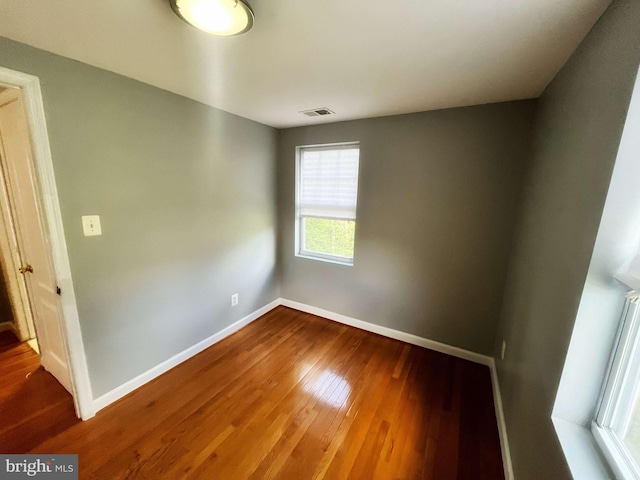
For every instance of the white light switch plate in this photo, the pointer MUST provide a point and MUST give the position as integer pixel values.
(91, 225)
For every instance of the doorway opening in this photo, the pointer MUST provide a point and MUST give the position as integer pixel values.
(31, 283)
(33, 360)
(35, 264)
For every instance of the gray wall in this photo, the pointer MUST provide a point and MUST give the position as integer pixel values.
(437, 202)
(187, 203)
(602, 298)
(579, 120)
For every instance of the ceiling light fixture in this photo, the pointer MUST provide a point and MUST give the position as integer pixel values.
(218, 17)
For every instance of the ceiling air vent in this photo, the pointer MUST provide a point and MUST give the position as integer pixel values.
(317, 112)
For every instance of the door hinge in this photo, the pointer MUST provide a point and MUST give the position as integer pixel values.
(58, 291)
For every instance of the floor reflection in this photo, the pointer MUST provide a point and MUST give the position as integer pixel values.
(330, 388)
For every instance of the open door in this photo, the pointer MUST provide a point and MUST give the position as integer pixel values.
(23, 221)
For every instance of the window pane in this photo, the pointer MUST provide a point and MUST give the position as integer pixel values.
(329, 237)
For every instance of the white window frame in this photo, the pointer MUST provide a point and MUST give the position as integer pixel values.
(620, 389)
(299, 224)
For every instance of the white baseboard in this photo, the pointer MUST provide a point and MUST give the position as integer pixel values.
(128, 387)
(502, 426)
(4, 326)
(432, 345)
(391, 333)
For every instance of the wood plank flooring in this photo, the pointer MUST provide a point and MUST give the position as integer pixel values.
(291, 396)
(33, 405)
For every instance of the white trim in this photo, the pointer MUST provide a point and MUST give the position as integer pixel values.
(43, 163)
(584, 458)
(135, 383)
(618, 396)
(346, 261)
(502, 425)
(615, 452)
(4, 326)
(331, 146)
(391, 333)
(33, 343)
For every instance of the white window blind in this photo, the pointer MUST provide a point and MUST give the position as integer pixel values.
(328, 182)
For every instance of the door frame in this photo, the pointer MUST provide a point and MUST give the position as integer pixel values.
(48, 198)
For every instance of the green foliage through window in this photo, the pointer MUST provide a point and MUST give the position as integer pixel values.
(329, 237)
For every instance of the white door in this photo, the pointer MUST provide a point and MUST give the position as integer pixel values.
(33, 249)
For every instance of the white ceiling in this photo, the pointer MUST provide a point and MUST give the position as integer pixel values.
(360, 59)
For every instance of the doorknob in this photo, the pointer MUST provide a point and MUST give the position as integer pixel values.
(26, 268)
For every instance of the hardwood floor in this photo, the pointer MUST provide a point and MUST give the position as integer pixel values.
(33, 405)
(294, 396)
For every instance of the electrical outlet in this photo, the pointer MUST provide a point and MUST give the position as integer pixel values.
(504, 349)
(234, 299)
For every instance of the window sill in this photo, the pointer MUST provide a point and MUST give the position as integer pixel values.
(581, 452)
(320, 258)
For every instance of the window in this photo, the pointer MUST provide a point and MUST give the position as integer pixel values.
(617, 424)
(326, 198)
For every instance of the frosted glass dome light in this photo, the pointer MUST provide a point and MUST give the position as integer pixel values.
(218, 17)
